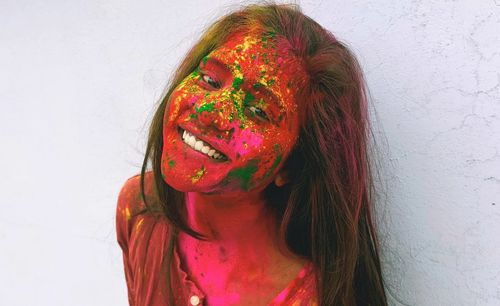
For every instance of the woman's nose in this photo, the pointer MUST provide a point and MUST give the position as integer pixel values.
(218, 111)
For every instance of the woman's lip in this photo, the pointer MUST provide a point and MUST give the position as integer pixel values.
(180, 130)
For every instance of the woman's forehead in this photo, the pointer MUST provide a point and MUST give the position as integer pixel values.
(259, 49)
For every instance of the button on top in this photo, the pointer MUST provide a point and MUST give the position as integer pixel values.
(194, 300)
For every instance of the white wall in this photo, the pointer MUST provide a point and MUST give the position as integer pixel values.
(78, 84)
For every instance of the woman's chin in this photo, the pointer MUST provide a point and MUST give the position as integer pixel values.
(189, 183)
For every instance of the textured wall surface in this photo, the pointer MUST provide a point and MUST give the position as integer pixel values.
(78, 83)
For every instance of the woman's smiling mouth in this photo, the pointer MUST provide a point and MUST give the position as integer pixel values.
(201, 146)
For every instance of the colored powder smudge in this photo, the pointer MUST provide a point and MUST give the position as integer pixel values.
(209, 107)
(248, 99)
(244, 174)
(237, 83)
(127, 213)
(237, 106)
(171, 163)
(277, 161)
(139, 223)
(198, 174)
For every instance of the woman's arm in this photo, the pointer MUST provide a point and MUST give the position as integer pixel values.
(127, 198)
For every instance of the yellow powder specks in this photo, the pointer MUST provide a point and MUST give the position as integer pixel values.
(238, 96)
(174, 112)
(226, 94)
(249, 42)
(238, 74)
(198, 174)
(138, 224)
(127, 213)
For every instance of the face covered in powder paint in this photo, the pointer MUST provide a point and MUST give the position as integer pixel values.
(232, 122)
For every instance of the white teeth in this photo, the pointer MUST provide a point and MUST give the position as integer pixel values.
(200, 146)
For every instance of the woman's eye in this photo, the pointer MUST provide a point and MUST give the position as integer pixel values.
(207, 79)
(259, 112)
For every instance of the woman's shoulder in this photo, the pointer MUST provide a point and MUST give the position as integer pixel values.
(129, 198)
(130, 203)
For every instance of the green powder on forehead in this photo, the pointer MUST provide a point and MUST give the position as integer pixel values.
(271, 34)
(268, 38)
(268, 35)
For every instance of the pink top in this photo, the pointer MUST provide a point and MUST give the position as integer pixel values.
(144, 241)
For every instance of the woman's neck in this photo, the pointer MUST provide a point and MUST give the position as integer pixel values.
(232, 220)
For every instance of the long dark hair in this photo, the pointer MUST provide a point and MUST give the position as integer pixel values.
(325, 209)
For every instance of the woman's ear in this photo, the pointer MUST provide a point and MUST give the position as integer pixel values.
(281, 178)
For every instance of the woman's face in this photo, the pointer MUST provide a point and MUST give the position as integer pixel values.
(232, 122)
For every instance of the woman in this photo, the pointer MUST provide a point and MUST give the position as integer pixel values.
(260, 188)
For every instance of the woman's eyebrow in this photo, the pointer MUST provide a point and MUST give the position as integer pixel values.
(215, 62)
(262, 88)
